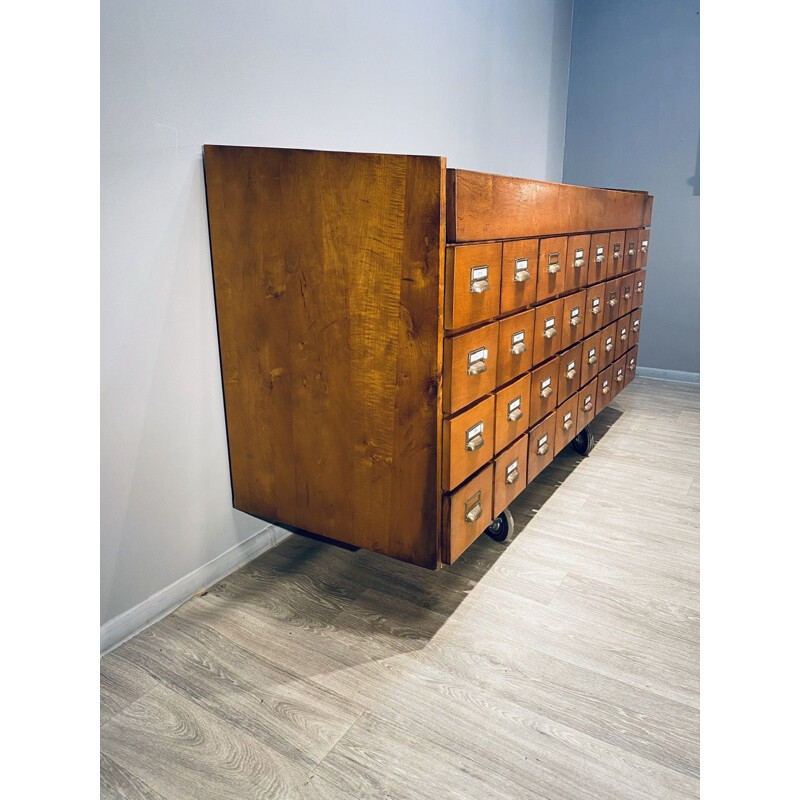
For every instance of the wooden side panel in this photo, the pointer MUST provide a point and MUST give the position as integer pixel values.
(328, 274)
(481, 207)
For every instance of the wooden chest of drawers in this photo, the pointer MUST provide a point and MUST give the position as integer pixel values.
(404, 347)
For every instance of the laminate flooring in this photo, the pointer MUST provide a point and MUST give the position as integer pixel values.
(562, 663)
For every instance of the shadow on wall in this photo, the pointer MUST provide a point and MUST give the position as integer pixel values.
(694, 181)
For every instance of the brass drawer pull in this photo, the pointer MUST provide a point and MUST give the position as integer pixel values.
(596, 308)
(635, 326)
(575, 320)
(568, 423)
(474, 513)
(518, 349)
(592, 359)
(553, 268)
(632, 251)
(606, 389)
(623, 335)
(617, 254)
(479, 286)
(476, 368)
(479, 279)
(542, 449)
(546, 392)
(643, 248)
(632, 366)
(612, 302)
(587, 404)
(600, 259)
(512, 472)
(579, 262)
(571, 374)
(609, 347)
(640, 289)
(550, 333)
(619, 376)
(514, 415)
(475, 443)
(522, 276)
(627, 294)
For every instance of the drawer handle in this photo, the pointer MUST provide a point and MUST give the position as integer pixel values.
(546, 392)
(568, 424)
(550, 333)
(639, 289)
(474, 514)
(596, 309)
(553, 268)
(623, 336)
(512, 476)
(518, 349)
(475, 443)
(542, 449)
(522, 275)
(600, 259)
(477, 367)
(514, 415)
(588, 405)
(592, 359)
(612, 302)
(632, 251)
(632, 366)
(579, 262)
(617, 254)
(609, 347)
(635, 326)
(627, 294)
(575, 320)
(571, 374)
(606, 389)
(479, 286)
(619, 377)
(644, 248)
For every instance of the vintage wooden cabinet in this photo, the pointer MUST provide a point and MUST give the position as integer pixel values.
(404, 346)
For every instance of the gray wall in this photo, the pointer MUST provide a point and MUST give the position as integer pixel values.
(633, 121)
(482, 83)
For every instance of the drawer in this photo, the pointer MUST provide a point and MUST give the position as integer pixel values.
(541, 445)
(470, 367)
(472, 284)
(547, 330)
(604, 388)
(616, 260)
(510, 474)
(617, 376)
(612, 299)
(518, 283)
(598, 258)
(514, 346)
(626, 293)
(512, 412)
(630, 369)
(566, 422)
(639, 278)
(631, 249)
(636, 324)
(578, 257)
(608, 345)
(595, 308)
(590, 363)
(466, 514)
(644, 246)
(467, 443)
(569, 372)
(573, 321)
(587, 404)
(623, 335)
(552, 266)
(544, 389)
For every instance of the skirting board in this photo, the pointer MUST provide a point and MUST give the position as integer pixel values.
(668, 375)
(121, 628)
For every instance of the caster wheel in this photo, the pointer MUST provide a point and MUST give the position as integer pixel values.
(501, 527)
(584, 442)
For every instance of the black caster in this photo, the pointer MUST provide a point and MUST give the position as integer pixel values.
(501, 527)
(584, 442)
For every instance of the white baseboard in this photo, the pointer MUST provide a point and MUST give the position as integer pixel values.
(668, 375)
(121, 628)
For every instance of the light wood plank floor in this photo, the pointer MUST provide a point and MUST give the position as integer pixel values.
(563, 663)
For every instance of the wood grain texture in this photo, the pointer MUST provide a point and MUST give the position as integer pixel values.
(512, 332)
(464, 307)
(328, 274)
(519, 256)
(467, 442)
(481, 206)
(512, 412)
(510, 474)
(560, 664)
(599, 256)
(460, 387)
(573, 323)
(544, 389)
(460, 531)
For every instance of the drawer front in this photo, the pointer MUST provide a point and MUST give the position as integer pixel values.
(644, 246)
(631, 249)
(467, 443)
(552, 267)
(520, 265)
(608, 345)
(470, 367)
(630, 370)
(541, 445)
(569, 372)
(544, 389)
(636, 325)
(616, 260)
(623, 335)
(547, 330)
(578, 258)
(466, 514)
(598, 258)
(612, 296)
(510, 474)
(595, 308)
(573, 321)
(566, 422)
(626, 293)
(512, 412)
(639, 278)
(617, 376)
(591, 358)
(472, 284)
(605, 388)
(587, 404)
(514, 346)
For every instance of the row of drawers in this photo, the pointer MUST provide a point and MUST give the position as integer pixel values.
(484, 281)
(468, 510)
(477, 362)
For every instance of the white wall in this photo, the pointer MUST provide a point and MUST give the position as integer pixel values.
(483, 83)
